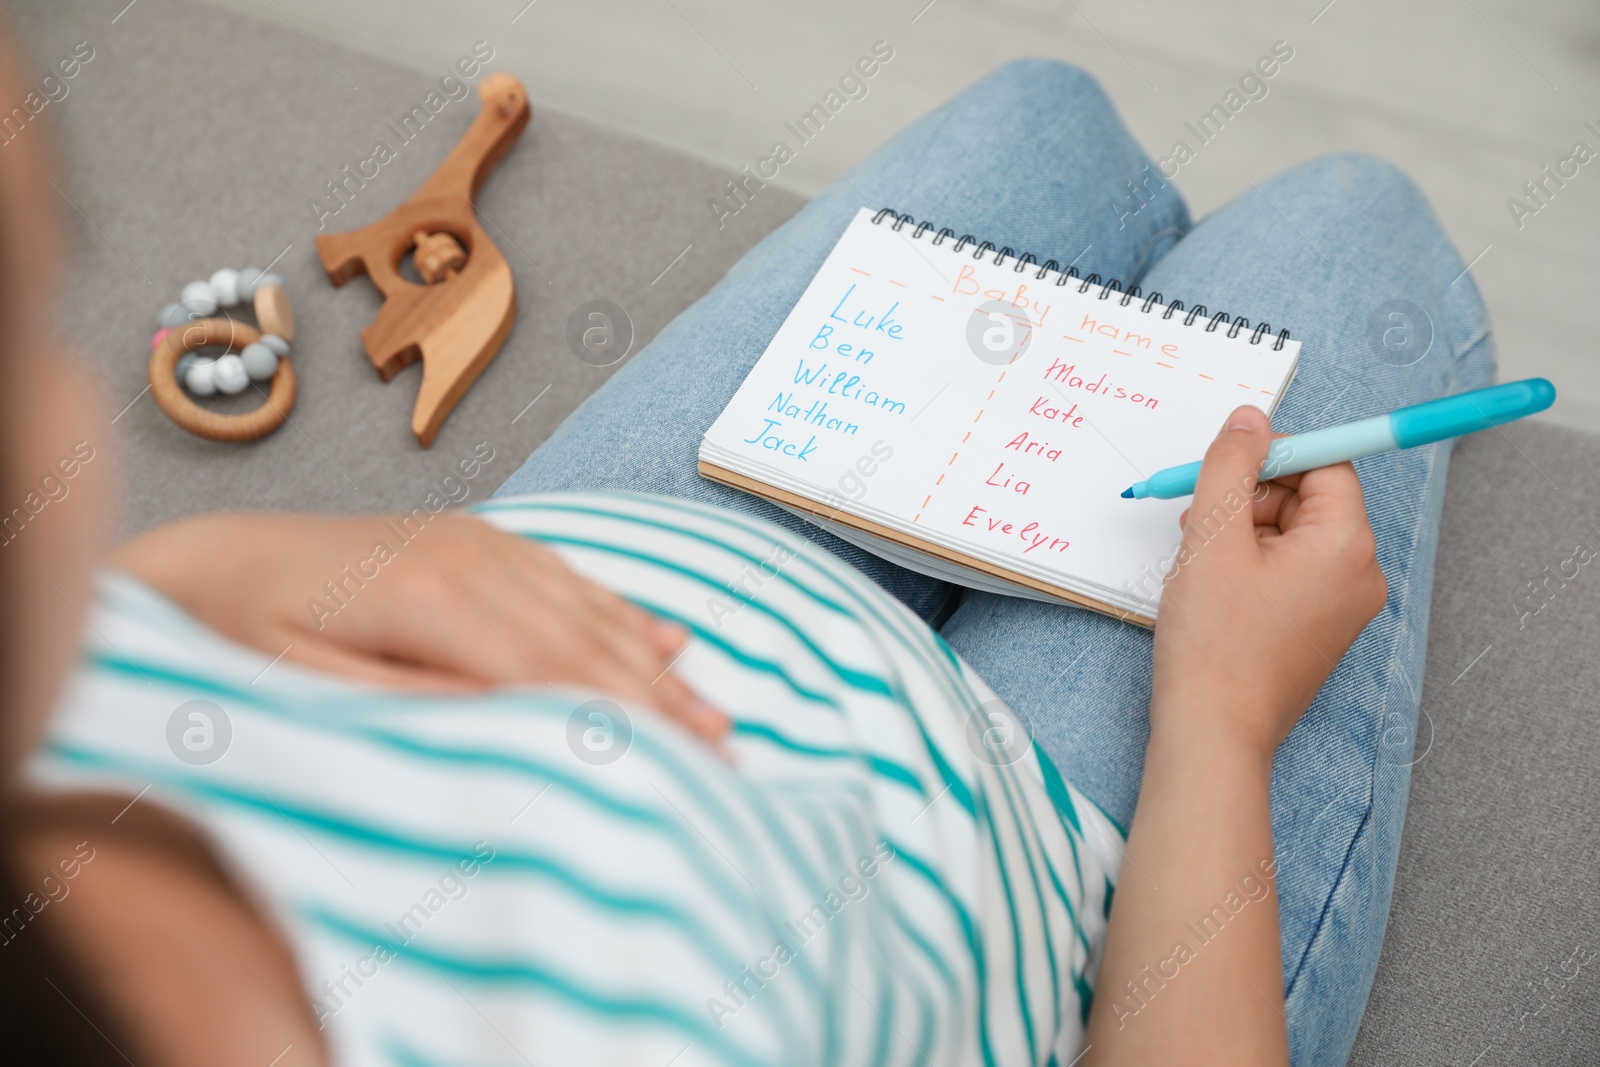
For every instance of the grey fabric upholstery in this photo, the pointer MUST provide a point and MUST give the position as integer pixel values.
(1497, 898)
(195, 139)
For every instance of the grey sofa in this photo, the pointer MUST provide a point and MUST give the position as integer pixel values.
(196, 139)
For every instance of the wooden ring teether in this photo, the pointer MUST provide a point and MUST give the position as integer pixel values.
(172, 399)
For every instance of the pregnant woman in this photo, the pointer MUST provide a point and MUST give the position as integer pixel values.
(526, 799)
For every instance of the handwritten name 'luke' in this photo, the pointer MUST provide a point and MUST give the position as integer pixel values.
(873, 322)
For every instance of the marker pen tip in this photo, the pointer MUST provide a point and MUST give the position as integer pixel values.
(1127, 494)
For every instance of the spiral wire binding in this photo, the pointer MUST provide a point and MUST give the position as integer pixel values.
(1108, 287)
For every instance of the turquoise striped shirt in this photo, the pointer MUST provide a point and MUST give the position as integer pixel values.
(884, 871)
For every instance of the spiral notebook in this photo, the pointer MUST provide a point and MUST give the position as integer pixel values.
(972, 414)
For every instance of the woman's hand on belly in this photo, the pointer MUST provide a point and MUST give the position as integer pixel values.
(455, 606)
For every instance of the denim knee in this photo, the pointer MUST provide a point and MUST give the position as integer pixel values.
(1354, 183)
(1037, 81)
(1369, 206)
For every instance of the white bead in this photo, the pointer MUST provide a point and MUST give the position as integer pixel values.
(259, 360)
(200, 379)
(247, 282)
(200, 307)
(197, 291)
(225, 287)
(276, 343)
(229, 374)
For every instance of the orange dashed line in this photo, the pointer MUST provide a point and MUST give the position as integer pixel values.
(858, 270)
(967, 438)
(1166, 365)
(916, 517)
(937, 297)
(940, 481)
(953, 456)
(1001, 378)
(1208, 377)
(900, 284)
(990, 396)
(1266, 392)
(980, 414)
(926, 499)
(1120, 352)
(1069, 337)
(1243, 386)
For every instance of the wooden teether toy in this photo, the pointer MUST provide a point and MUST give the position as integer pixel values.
(457, 322)
(262, 356)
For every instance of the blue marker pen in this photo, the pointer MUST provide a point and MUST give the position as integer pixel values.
(1419, 424)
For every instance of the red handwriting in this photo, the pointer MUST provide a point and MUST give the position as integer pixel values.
(1032, 446)
(1001, 480)
(1045, 410)
(980, 518)
(1067, 374)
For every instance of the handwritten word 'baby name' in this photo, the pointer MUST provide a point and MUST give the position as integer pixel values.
(1127, 337)
(1066, 373)
(981, 519)
(967, 285)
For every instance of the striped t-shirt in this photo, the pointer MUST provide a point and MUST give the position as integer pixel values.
(879, 871)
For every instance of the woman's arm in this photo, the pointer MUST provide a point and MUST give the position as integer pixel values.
(1273, 584)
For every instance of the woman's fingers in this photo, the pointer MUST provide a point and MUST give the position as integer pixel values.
(1265, 507)
(471, 607)
(333, 657)
(1327, 493)
(633, 651)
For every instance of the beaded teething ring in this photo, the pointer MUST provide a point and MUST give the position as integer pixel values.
(263, 354)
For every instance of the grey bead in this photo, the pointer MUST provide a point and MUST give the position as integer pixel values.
(276, 343)
(260, 361)
(247, 283)
(267, 279)
(199, 307)
(171, 316)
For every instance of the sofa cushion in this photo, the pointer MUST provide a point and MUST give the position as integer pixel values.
(1497, 898)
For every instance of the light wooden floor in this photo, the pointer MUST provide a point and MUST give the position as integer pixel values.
(1472, 97)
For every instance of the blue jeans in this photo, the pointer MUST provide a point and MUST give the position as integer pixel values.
(1034, 156)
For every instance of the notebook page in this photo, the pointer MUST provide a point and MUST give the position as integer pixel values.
(990, 411)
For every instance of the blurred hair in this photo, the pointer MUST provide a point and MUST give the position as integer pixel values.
(46, 1003)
